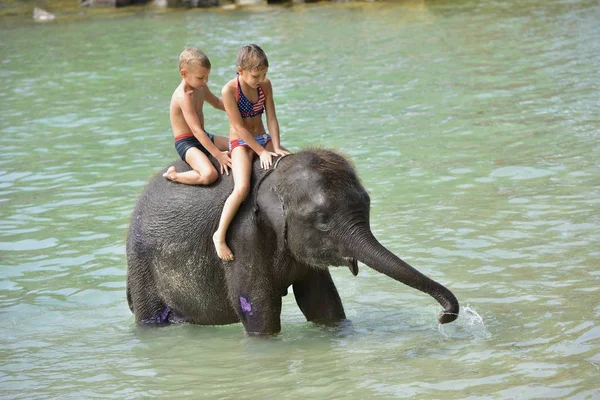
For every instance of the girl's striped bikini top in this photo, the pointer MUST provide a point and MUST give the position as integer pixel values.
(248, 109)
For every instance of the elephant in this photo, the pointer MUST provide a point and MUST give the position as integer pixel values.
(308, 212)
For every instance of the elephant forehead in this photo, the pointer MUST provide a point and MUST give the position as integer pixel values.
(316, 192)
(311, 201)
(304, 177)
(322, 200)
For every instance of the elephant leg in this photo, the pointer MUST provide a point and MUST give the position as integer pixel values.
(258, 313)
(255, 301)
(149, 309)
(142, 295)
(318, 297)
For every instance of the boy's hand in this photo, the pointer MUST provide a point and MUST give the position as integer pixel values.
(266, 159)
(224, 161)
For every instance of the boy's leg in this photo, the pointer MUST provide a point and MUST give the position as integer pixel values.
(202, 173)
(241, 161)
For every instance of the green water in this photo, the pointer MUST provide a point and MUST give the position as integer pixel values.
(474, 125)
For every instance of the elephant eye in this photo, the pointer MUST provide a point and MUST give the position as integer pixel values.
(322, 227)
(322, 221)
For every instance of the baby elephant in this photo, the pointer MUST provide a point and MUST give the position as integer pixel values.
(306, 213)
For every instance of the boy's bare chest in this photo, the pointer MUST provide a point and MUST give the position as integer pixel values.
(198, 100)
(199, 104)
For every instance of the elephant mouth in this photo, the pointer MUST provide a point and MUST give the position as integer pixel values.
(352, 265)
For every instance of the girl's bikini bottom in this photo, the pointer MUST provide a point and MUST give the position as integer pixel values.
(262, 140)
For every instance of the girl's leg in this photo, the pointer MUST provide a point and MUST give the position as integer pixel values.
(241, 161)
(222, 142)
(269, 147)
(202, 173)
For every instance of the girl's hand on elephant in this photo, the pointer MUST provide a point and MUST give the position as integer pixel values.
(266, 159)
(281, 152)
(224, 162)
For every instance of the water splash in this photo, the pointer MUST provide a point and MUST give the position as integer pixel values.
(468, 325)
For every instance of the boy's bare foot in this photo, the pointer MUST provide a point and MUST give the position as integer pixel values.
(223, 251)
(170, 174)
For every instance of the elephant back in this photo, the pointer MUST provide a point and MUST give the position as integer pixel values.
(174, 212)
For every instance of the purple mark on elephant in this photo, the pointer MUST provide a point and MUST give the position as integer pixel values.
(163, 317)
(246, 306)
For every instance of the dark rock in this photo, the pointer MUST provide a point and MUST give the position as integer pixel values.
(110, 3)
(203, 3)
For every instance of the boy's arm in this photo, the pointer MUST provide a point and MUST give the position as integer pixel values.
(235, 119)
(190, 115)
(216, 102)
(272, 122)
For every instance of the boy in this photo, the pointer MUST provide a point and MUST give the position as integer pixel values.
(192, 142)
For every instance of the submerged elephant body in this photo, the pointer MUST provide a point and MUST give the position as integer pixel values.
(307, 213)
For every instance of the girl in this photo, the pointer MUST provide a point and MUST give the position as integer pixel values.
(246, 97)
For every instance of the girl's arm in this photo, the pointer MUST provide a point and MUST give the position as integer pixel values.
(272, 122)
(216, 102)
(190, 115)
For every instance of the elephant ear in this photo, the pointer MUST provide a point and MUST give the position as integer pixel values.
(270, 205)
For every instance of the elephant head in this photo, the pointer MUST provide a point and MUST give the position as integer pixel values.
(315, 203)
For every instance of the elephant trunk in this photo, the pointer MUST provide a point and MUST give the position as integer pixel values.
(367, 249)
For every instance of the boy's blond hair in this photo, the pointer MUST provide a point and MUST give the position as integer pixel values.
(193, 57)
(252, 57)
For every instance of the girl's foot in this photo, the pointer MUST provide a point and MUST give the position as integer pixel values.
(223, 251)
(171, 174)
